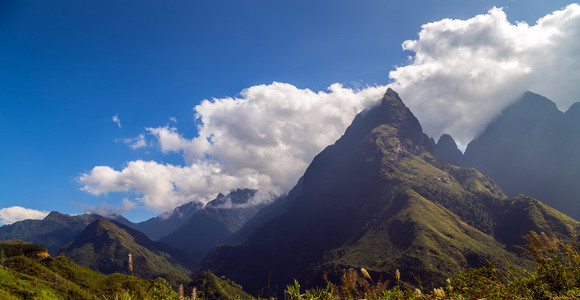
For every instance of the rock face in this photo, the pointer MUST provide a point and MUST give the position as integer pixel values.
(379, 199)
(532, 148)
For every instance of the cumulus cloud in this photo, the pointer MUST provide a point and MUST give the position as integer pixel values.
(116, 120)
(262, 140)
(461, 75)
(464, 72)
(13, 214)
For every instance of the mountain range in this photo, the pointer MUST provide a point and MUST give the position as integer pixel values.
(53, 231)
(379, 199)
(383, 197)
(531, 148)
(214, 224)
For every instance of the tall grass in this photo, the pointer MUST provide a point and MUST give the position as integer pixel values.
(555, 275)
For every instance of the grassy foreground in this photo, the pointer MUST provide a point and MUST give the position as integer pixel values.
(555, 275)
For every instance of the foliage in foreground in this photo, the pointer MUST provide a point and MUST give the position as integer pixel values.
(59, 278)
(556, 276)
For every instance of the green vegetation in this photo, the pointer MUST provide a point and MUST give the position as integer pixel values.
(555, 275)
(210, 286)
(22, 277)
(104, 246)
(60, 278)
(53, 231)
(16, 248)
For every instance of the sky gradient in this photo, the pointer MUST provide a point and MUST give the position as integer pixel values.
(99, 99)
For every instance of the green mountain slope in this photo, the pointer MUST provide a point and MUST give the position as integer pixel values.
(105, 246)
(59, 278)
(212, 287)
(53, 231)
(379, 199)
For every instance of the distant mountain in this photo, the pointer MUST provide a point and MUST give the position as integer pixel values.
(379, 199)
(104, 246)
(214, 224)
(446, 150)
(166, 223)
(53, 231)
(532, 148)
(266, 213)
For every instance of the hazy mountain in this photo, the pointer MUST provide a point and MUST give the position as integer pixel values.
(53, 231)
(104, 246)
(214, 224)
(532, 148)
(233, 210)
(379, 199)
(166, 223)
(267, 213)
(446, 150)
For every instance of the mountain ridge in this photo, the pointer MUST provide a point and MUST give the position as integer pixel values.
(104, 246)
(379, 199)
(55, 230)
(530, 148)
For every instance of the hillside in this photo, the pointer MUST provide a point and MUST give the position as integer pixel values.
(53, 231)
(59, 278)
(379, 199)
(104, 246)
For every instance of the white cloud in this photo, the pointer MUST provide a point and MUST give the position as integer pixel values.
(136, 142)
(109, 211)
(117, 120)
(173, 119)
(13, 214)
(263, 140)
(464, 72)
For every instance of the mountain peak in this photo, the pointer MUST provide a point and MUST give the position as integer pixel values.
(574, 110)
(534, 106)
(104, 246)
(392, 101)
(377, 187)
(446, 150)
(54, 215)
(392, 112)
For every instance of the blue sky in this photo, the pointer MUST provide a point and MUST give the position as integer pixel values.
(68, 67)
